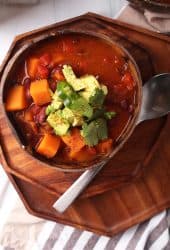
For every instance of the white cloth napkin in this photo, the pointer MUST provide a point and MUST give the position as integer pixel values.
(149, 20)
(159, 21)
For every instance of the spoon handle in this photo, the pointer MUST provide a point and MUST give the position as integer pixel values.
(76, 188)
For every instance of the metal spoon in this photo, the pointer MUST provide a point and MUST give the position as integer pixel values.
(155, 103)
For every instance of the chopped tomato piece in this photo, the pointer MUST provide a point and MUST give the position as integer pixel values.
(45, 60)
(42, 72)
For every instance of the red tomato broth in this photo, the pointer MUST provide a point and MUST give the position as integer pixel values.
(86, 55)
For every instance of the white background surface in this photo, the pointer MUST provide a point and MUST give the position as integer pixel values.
(18, 19)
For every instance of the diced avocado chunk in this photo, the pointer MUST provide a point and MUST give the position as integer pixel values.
(71, 78)
(58, 123)
(49, 109)
(94, 131)
(86, 84)
(56, 104)
(72, 117)
(69, 74)
(92, 86)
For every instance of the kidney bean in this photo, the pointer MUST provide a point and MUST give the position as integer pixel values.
(35, 109)
(27, 83)
(57, 73)
(52, 84)
(40, 116)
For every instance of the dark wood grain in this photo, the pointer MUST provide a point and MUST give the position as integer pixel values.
(141, 169)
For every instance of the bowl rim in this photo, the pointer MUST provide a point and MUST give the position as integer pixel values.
(128, 129)
(151, 5)
(159, 4)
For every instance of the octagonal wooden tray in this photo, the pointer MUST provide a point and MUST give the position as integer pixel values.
(146, 156)
(128, 163)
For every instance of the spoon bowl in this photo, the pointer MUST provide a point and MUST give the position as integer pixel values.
(156, 97)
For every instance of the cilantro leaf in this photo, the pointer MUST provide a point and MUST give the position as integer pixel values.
(89, 133)
(98, 112)
(94, 131)
(82, 107)
(97, 99)
(101, 127)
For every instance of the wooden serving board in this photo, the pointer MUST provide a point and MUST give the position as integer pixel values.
(146, 156)
(150, 52)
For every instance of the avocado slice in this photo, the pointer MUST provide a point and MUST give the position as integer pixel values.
(71, 78)
(74, 118)
(58, 123)
(86, 84)
(56, 104)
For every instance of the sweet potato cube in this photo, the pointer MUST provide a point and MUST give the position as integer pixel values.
(16, 99)
(40, 92)
(74, 140)
(85, 154)
(32, 67)
(105, 146)
(49, 145)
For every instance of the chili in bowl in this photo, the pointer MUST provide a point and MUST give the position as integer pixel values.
(73, 99)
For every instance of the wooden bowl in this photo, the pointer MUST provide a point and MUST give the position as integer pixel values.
(151, 5)
(38, 37)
